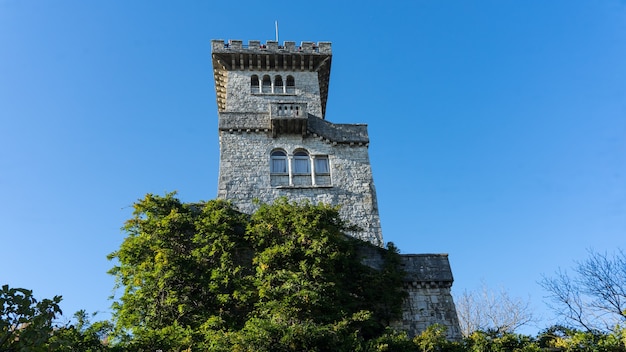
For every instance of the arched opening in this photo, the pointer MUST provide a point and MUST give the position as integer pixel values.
(291, 85)
(254, 84)
(278, 84)
(267, 84)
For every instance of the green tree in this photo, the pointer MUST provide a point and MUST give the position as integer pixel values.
(287, 278)
(83, 335)
(25, 323)
(492, 341)
(307, 268)
(182, 267)
(560, 338)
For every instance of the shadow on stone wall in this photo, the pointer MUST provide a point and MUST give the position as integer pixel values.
(428, 281)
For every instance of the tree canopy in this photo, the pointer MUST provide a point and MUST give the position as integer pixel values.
(204, 276)
(25, 323)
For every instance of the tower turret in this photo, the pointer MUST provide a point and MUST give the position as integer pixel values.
(275, 142)
(274, 138)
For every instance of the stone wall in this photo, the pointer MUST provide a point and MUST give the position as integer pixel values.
(427, 282)
(240, 99)
(245, 177)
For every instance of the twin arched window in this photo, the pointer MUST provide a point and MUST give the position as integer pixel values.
(277, 86)
(299, 169)
(300, 163)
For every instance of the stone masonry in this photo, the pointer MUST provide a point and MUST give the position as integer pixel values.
(427, 282)
(275, 142)
(256, 119)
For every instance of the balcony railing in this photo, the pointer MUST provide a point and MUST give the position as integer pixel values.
(288, 110)
(288, 118)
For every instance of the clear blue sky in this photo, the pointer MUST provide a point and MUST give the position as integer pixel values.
(498, 128)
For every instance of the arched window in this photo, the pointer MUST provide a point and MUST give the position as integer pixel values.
(301, 164)
(278, 84)
(254, 84)
(267, 84)
(291, 85)
(278, 162)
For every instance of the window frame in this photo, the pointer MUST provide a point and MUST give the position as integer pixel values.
(279, 87)
(301, 157)
(290, 84)
(265, 87)
(255, 84)
(278, 155)
(319, 159)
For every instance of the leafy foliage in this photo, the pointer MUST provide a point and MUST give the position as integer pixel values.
(561, 338)
(182, 267)
(83, 335)
(25, 323)
(29, 325)
(206, 277)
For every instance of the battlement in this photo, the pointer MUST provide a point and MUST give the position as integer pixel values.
(218, 45)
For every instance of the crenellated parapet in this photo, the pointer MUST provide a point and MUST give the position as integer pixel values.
(219, 45)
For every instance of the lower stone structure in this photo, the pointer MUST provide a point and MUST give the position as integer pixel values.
(428, 282)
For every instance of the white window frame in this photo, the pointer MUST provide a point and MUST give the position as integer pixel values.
(277, 156)
(322, 165)
(301, 163)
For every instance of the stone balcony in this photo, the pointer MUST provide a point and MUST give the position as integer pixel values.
(288, 118)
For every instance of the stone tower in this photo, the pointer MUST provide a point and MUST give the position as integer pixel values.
(274, 138)
(275, 142)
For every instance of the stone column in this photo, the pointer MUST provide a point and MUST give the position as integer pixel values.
(313, 170)
(289, 163)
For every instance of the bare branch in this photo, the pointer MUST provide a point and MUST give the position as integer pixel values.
(595, 297)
